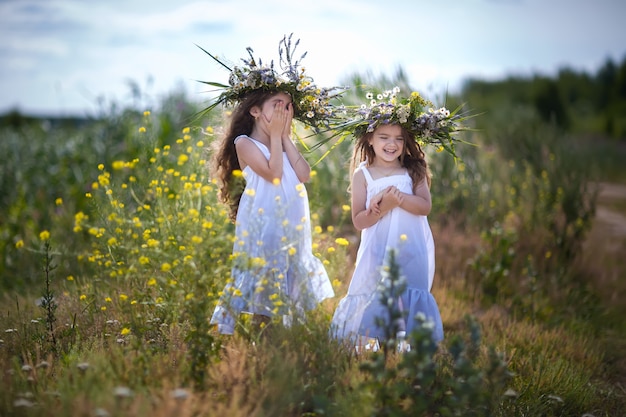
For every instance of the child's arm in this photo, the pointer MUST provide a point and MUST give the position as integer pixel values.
(297, 161)
(374, 205)
(249, 154)
(362, 217)
(418, 203)
(390, 199)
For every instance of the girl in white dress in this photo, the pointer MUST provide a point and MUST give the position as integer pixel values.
(274, 271)
(261, 175)
(390, 201)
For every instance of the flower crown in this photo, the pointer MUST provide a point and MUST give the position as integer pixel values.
(311, 103)
(415, 114)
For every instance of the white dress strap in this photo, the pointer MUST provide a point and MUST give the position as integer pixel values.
(240, 137)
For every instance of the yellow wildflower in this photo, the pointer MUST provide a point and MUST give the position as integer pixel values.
(117, 165)
(182, 158)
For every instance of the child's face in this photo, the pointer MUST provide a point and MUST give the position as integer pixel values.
(387, 142)
(278, 99)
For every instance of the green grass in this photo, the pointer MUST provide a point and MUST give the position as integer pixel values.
(135, 277)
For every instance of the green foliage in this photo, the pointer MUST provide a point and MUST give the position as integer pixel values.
(48, 302)
(331, 183)
(142, 248)
(424, 379)
(581, 102)
(494, 266)
(47, 166)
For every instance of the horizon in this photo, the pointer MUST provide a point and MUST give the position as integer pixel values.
(68, 58)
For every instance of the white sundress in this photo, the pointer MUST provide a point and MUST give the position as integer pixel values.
(411, 237)
(274, 269)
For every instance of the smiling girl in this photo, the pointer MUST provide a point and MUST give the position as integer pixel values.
(390, 201)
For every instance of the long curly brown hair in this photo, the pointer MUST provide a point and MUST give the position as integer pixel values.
(224, 160)
(412, 158)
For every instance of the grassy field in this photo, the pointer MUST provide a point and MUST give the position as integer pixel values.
(115, 249)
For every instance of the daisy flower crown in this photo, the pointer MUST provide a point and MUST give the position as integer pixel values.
(427, 125)
(312, 104)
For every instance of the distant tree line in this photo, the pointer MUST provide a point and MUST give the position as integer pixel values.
(576, 101)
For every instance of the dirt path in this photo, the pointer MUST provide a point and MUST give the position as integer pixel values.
(604, 251)
(608, 218)
(604, 254)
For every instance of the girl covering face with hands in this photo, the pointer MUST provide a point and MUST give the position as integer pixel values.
(274, 271)
(261, 176)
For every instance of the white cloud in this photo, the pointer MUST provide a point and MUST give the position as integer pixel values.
(69, 51)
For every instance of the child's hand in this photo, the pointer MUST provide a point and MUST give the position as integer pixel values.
(374, 206)
(288, 120)
(391, 198)
(276, 124)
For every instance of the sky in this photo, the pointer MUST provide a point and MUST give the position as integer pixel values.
(71, 57)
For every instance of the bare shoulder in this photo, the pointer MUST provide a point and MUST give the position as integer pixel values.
(358, 177)
(247, 151)
(422, 188)
(243, 141)
(423, 183)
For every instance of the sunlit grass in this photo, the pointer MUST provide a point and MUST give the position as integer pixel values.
(140, 263)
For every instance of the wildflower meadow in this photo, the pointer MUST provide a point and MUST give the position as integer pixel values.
(115, 250)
